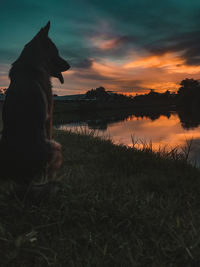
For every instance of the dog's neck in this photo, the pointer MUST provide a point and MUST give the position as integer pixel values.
(20, 73)
(30, 74)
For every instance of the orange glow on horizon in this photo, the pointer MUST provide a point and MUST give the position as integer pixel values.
(132, 75)
(161, 87)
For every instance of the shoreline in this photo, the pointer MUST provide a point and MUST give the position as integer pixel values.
(64, 112)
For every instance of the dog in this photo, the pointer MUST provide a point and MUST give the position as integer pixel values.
(27, 151)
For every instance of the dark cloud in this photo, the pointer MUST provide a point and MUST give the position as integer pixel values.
(158, 26)
(93, 76)
(82, 63)
(141, 25)
(188, 44)
(120, 41)
(90, 75)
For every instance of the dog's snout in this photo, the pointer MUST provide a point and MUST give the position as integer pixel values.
(67, 66)
(64, 65)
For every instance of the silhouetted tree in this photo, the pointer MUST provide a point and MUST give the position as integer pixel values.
(98, 93)
(152, 93)
(189, 93)
(101, 92)
(188, 85)
(156, 98)
(189, 118)
(167, 93)
(91, 94)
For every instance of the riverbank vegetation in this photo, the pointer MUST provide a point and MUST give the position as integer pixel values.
(117, 206)
(100, 106)
(99, 99)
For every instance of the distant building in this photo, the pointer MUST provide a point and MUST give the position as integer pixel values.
(69, 97)
(57, 98)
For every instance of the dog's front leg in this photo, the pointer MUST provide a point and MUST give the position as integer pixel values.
(55, 159)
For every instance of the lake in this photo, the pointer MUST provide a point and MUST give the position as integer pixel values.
(163, 131)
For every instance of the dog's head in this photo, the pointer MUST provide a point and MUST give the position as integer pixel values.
(41, 53)
(55, 63)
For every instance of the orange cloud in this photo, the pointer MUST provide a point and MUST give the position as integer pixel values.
(120, 75)
(156, 61)
(108, 69)
(153, 72)
(171, 62)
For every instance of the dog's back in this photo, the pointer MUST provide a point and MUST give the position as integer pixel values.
(24, 136)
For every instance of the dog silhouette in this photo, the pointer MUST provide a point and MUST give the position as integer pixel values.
(27, 149)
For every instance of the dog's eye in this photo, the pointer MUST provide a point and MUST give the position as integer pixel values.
(51, 47)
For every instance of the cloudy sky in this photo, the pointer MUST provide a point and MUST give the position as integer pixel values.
(127, 46)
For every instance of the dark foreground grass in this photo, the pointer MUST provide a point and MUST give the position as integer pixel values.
(117, 207)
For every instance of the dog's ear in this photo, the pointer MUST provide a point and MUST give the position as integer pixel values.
(46, 28)
(44, 31)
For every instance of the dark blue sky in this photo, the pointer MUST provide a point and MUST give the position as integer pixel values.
(130, 46)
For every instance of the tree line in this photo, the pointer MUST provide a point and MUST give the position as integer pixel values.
(188, 95)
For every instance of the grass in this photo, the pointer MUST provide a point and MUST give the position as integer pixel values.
(118, 207)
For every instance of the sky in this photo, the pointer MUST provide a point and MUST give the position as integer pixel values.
(128, 46)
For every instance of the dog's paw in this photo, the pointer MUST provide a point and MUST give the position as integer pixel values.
(55, 145)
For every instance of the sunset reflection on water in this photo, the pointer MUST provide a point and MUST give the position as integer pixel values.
(163, 132)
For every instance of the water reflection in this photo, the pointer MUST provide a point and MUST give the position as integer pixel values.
(102, 123)
(101, 120)
(189, 119)
(166, 129)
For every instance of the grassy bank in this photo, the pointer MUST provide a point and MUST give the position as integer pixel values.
(117, 207)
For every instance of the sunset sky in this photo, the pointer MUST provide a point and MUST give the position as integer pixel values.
(127, 46)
